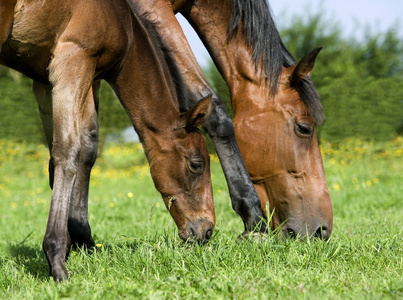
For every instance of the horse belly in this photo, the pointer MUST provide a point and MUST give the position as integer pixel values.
(32, 37)
(28, 59)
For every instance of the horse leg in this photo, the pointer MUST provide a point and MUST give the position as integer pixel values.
(6, 17)
(244, 198)
(71, 72)
(78, 227)
(43, 97)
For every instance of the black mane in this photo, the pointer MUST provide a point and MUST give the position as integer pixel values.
(253, 18)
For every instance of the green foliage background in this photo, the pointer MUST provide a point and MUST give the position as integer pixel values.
(19, 117)
(360, 81)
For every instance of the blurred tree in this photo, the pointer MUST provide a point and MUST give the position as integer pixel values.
(19, 116)
(381, 54)
(112, 116)
(308, 31)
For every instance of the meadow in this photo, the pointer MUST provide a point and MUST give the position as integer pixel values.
(139, 255)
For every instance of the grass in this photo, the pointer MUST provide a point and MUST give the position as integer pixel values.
(139, 254)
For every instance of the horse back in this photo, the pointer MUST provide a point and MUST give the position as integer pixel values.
(102, 28)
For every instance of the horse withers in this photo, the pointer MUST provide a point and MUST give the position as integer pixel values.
(65, 48)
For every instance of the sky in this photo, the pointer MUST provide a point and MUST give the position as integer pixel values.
(353, 16)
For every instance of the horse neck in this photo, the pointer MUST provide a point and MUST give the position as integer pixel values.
(232, 57)
(145, 88)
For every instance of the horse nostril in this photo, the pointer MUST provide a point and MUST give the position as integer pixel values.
(208, 235)
(291, 233)
(322, 232)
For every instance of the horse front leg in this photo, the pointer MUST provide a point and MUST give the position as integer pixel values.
(244, 198)
(71, 73)
(78, 226)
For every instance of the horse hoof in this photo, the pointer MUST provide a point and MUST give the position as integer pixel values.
(59, 274)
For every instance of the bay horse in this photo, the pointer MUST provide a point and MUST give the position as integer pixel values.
(67, 47)
(275, 104)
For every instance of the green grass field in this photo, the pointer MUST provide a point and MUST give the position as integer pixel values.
(139, 254)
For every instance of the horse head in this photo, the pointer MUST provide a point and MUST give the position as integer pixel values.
(291, 179)
(180, 168)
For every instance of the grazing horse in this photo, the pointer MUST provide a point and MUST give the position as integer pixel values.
(67, 47)
(275, 105)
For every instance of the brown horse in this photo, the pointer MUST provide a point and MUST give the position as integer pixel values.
(67, 47)
(275, 105)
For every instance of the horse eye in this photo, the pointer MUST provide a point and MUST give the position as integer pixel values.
(303, 129)
(196, 166)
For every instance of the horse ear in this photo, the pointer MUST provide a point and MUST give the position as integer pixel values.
(196, 116)
(304, 67)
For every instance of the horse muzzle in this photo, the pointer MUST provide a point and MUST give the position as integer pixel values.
(199, 231)
(315, 229)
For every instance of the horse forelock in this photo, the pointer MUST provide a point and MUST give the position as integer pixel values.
(311, 99)
(254, 20)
